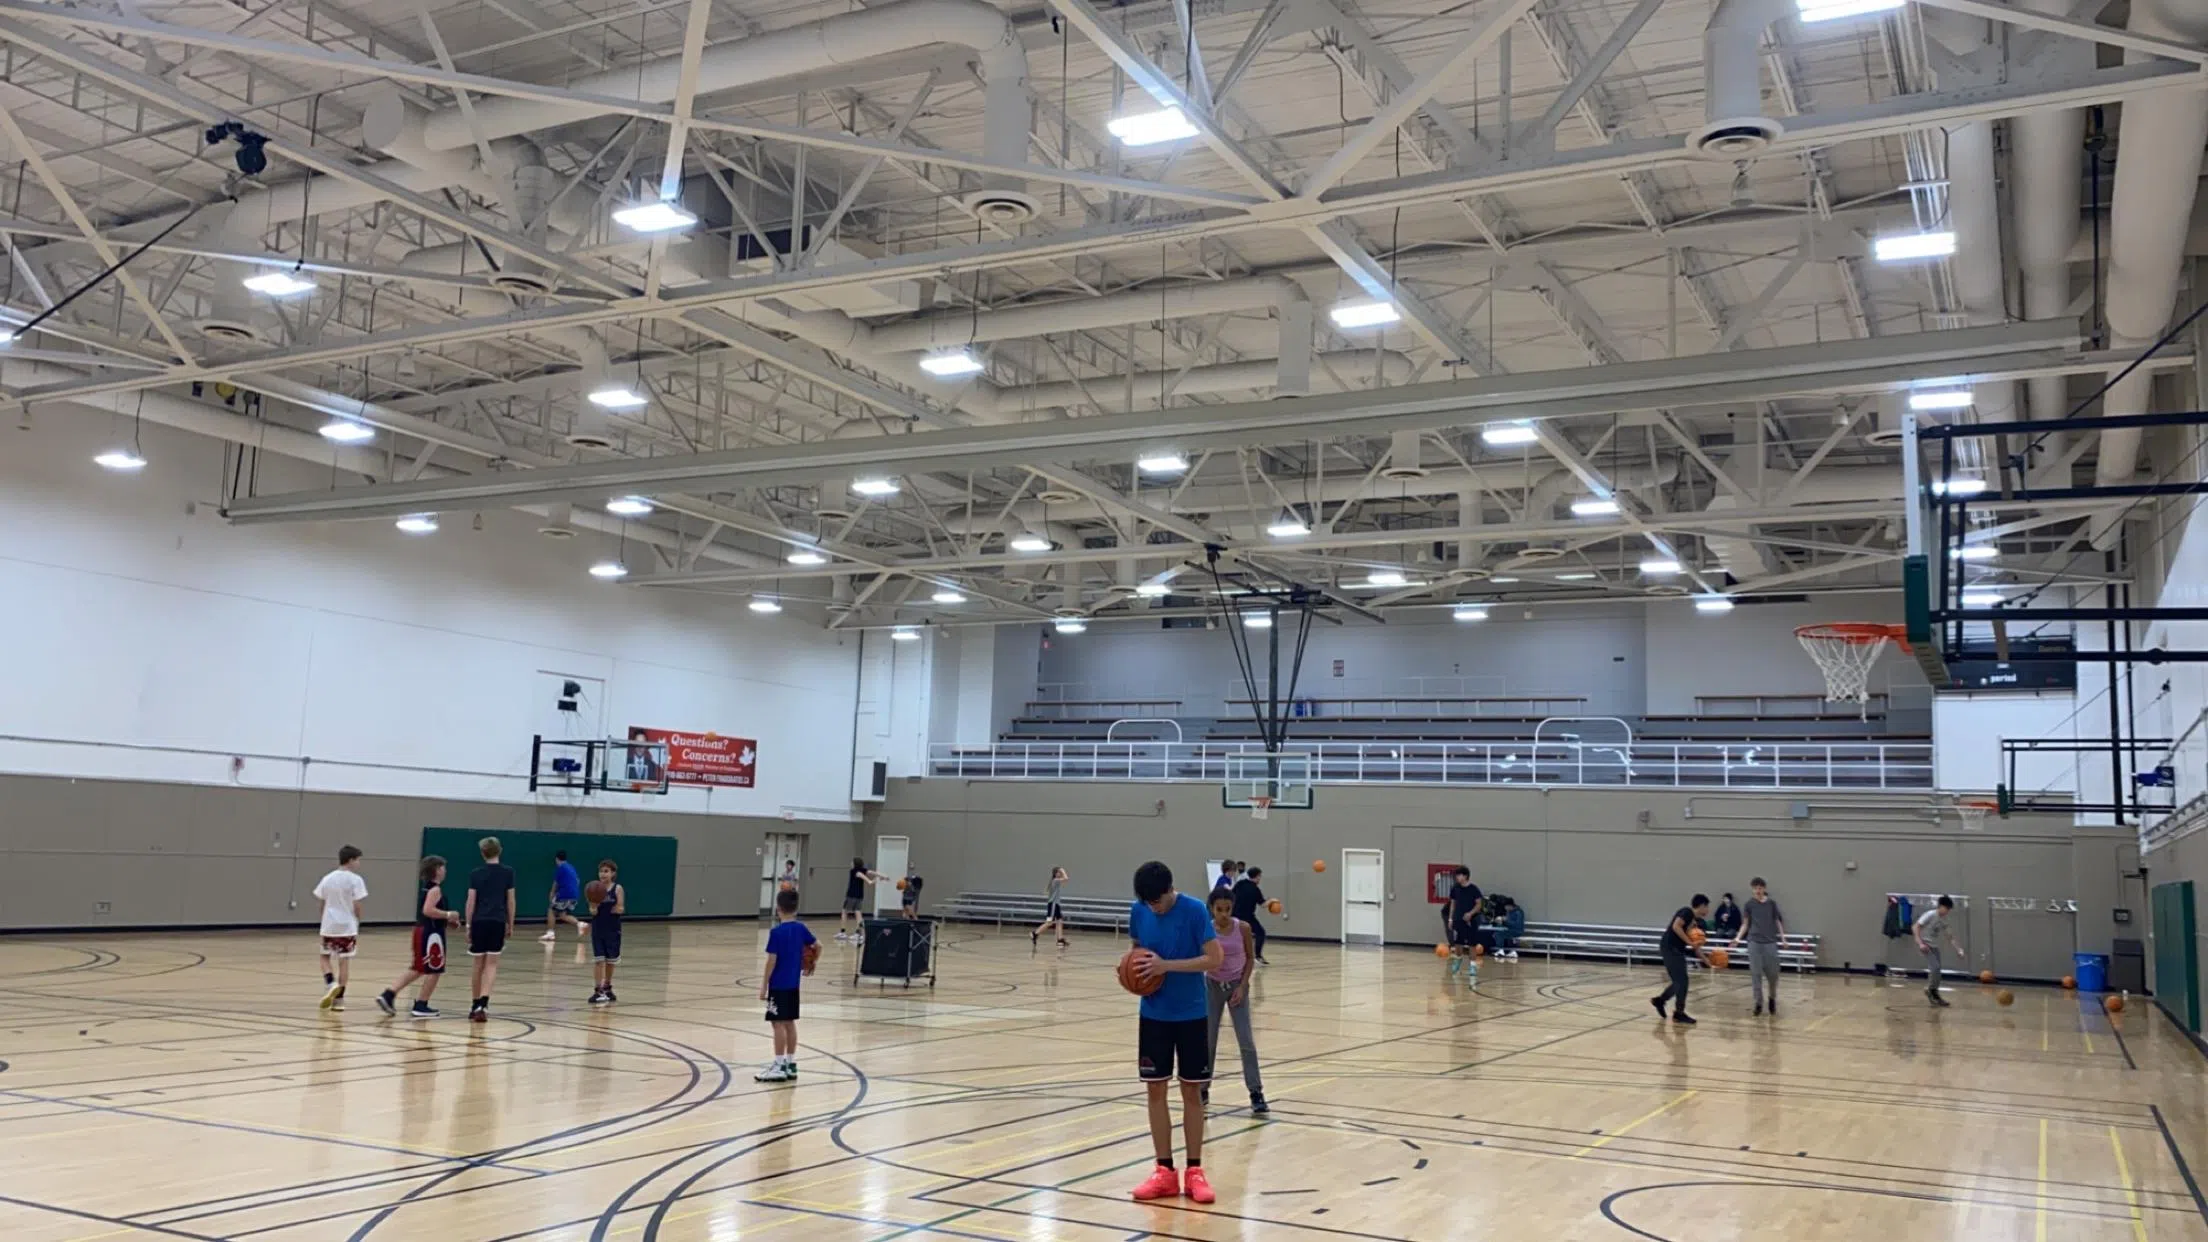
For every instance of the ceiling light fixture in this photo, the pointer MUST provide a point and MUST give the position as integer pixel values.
(1028, 541)
(1070, 625)
(1162, 463)
(806, 557)
(655, 217)
(949, 365)
(278, 284)
(1147, 129)
(1257, 621)
(608, 571)
(763, 603)
(418, 523)
(614, 396)
(1469, 612)
(1940, 399)
(1660, 567)
(1577, 576)
(1981, 598)
(1368, 314)
(1959, 487)
(1386, 578)
(122, 459)
(905, 634)
(1909, 247)
(1834, 10)
(876, 488)
(1508, 435)
(1288, 526)
(1976, 552)
(1713, 604)
(946, 595)
(1152, 590)
(1594, 506)
(1503, 580)
(346, 431)
(628, 506)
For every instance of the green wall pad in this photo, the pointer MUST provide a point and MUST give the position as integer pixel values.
(2176, 970)
(647, 865)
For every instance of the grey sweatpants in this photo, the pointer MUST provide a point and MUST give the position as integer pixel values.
(1219, 992)
(1932, 971)
(1763, 964)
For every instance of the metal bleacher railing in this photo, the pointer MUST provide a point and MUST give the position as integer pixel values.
(1682, 765)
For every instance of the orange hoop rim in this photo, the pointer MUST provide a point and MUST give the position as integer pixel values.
(1978, 804)
(1858, 633)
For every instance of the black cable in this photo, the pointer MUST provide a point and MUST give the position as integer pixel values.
(112, 268)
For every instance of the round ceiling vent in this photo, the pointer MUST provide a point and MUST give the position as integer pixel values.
(1002, 207)
(1734, 137)
(1533, 554)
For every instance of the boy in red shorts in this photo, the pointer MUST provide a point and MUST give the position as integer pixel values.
(341, 893)
(431, 918)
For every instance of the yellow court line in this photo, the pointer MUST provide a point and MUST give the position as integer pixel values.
(2039, 1189)
(1820, 1022)
(1650, 1115)
(2123, 1173)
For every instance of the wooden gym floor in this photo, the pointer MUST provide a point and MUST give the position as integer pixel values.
(184, 1085)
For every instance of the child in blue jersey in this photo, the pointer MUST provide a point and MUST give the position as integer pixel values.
(559, 904)
(1174, 944)
(787, 947)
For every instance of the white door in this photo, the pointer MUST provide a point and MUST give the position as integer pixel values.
(890, 856)
(781, 850)
(1363, 888)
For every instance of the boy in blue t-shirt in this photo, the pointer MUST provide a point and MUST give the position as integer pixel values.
(1174, 944)
(789, 948)
(559, 904)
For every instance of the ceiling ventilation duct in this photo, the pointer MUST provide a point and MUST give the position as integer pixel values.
(1732, 93)
(1403, 457)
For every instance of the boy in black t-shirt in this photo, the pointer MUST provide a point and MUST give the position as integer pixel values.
(1461, 913)
(1679, 940)
(490, 922)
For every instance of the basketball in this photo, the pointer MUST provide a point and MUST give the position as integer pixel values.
(1985, 976)
(594, 892)
(1441, 950)
(812, 956)
(2069, 982)
(1479, 950)
(900, 886)
(2114, 1004)
(1720, 959)
(1272, 907)
(1318, 864)
(2004, 997)
(1696, 936)
(1133, 982)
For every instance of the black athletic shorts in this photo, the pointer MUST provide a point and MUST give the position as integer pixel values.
(605, 942)
(1462, 934)
(1056, 913)
(1165, 1046)
(782, 1005)
(486, 939)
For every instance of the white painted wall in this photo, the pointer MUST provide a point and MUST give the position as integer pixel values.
(153, 641)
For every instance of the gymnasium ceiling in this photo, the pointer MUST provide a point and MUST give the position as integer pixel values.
(1618, 276)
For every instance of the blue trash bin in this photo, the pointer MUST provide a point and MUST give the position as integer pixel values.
(2092, 972)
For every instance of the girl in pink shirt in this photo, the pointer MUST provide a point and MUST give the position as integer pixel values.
(1229, 990)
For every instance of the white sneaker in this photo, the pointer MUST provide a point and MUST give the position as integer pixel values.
(776, 1072)
(549, 937)
(581, 930)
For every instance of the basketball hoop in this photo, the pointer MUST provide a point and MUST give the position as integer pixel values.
(1973, 812)
(1261, 806)
(1844, 652)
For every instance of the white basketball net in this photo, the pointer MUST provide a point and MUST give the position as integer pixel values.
(1260, 807)
(1973, 815)
(1846, 663)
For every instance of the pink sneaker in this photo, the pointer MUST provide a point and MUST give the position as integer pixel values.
(1164, 1183)
(1198, 1187)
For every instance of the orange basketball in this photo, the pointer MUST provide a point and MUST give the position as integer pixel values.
(1133, 982)
(1318, 864)
(1985, 976)
(2069, 981)
(1719, 959)
(1479, 950)
(2004, 997)
(1696, 936)
(1272, 907)
(1441, 950)
(812, 956)
(594, 892)
(900, 886)
(2114, 1004)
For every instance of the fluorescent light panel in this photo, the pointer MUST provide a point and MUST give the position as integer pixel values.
(1028, 541)
(874, 487)
(1145, 129)
(1959, 487)
(1594, 506)
(657, 217)
(1907, 247)
(1579, 575)
(807, 557)
(418, 523)
(1288, 528)
(1976, 552)
(628, 506)
(1070, 625)
(1833, 10)
(121, 459)
(607, 571)
(905, 634)
(1660, 567)
(617, 397)
(955, 363)
(1981, 598)
(1369, 314)
(1508, 435)
(1469, 612)
(1162, 463)
(1386, 578)
(763, 604)
(1152, 590)
(948, 596)
(346, 431)
(1940, 399)
(278, 284)
(1713, 604)
(1257, 621)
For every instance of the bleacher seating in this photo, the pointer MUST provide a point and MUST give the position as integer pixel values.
(1103, 913)
(1639, 944)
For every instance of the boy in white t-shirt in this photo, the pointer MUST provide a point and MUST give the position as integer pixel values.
(341, 892)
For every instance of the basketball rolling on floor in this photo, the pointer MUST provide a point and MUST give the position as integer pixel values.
(185, 1086)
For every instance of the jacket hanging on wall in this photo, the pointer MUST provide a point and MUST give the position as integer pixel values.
(1900, 918)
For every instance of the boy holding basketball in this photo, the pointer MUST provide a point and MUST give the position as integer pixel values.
(1682, 936)
(1175, 946)
(790, 952)
(608, 902)
(430, 921)
(1248, 899)
(341, 893)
